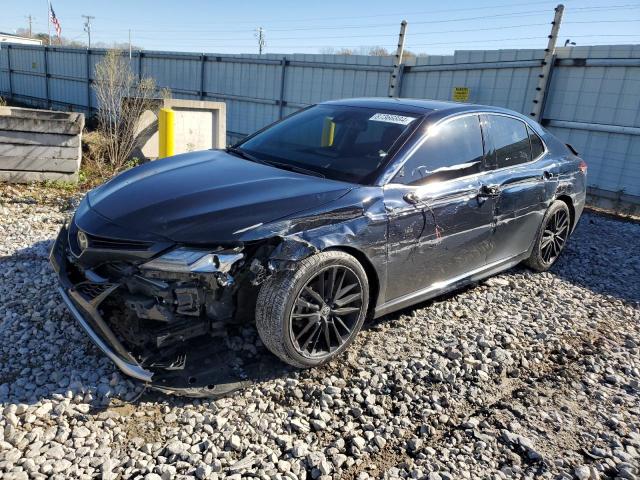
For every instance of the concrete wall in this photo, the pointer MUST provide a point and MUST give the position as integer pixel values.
(199, 125)
(38, 145)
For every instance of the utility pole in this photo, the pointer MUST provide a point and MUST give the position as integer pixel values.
(30, 19)
(261, 40)
(547, 64)
(87, 26)
(394, 82)
(129, 44)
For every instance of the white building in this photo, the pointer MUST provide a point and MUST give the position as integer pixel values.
(11, 38)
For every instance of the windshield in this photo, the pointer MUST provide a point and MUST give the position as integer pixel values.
(339, 142)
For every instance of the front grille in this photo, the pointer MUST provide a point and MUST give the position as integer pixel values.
(91, 291)
(105, 243)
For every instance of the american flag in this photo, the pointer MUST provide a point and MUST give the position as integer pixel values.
(54, 20)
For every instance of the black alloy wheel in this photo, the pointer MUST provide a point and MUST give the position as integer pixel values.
(326, 311)
(551, 238)
(554, 236)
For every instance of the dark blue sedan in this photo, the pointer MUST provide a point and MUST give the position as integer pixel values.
(344, 211)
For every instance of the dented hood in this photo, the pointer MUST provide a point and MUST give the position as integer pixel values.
(208, 196)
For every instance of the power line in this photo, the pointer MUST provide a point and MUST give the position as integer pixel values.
(430, 12)
(604, 21)
(214, 39)
(538, 37)
(425, 22)
(424, 33)
(406, 14)
(435, 32)
(430, 22)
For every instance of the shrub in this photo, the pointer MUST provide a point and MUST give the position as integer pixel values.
(122, 99)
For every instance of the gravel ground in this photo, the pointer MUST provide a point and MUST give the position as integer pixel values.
(523, 376)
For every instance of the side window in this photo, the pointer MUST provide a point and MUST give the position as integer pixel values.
(509, 140)
(537, 147)
(451, 150)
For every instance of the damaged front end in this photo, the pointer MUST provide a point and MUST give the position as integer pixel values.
(149, 307)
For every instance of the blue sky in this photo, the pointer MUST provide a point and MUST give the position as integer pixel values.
(313, 27)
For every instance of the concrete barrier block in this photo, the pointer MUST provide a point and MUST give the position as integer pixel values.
(199, 125)
(39, 145)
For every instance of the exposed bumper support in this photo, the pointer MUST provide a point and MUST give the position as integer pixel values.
(133, 370)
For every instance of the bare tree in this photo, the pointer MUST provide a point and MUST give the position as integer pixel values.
(122, 99)
(408, 54)
(379, 52)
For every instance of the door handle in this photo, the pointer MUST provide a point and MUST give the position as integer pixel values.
(411, 198)
(489, 191)
(547, 175)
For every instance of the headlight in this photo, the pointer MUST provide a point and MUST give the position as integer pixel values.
(185, 260)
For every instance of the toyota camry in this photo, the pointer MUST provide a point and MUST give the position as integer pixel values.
(345, 211)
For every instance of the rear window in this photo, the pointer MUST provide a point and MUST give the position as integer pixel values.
(537, 147)
(509, 139)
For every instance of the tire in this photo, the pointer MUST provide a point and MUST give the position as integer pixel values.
(540, 260)
(285, 301)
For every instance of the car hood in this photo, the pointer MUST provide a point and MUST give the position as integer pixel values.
(208, 196)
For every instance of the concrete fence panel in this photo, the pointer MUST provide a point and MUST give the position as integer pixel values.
(592, 101)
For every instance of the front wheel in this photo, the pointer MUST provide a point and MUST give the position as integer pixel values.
(551, 238)
(311, 315)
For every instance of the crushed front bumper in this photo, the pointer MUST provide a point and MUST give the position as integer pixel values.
(83, 299)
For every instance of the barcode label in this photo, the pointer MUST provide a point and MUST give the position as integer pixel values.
(390, 118)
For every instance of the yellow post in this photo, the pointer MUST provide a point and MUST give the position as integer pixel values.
(166, 133)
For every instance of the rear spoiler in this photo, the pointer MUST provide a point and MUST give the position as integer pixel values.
(573, 150)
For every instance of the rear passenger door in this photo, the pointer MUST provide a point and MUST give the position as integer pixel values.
(519, 176)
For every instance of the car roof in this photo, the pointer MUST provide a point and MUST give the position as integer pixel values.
(437, 108)
(408, 105)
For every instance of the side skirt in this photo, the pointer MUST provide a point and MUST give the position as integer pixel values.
(440, 288)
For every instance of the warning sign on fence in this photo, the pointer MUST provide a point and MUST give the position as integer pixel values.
(460, 94)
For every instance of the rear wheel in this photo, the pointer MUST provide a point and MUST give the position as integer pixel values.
(309, 316)
(551, 238)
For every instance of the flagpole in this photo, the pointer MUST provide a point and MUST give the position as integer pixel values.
(49, 20)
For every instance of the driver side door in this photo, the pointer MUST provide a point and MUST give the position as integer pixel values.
(440, 216)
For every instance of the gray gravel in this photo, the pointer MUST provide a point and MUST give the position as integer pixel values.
(526, 375)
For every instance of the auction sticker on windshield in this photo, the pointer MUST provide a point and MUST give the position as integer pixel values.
(390, 118)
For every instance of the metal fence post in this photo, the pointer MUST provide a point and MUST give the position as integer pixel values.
(397, 63)
(547, 64)
(281, 103)
(88, 82)
(46, 77)
(547, 88)
(139, 65)
(9, 70)
(401, 72)
(203, 60)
